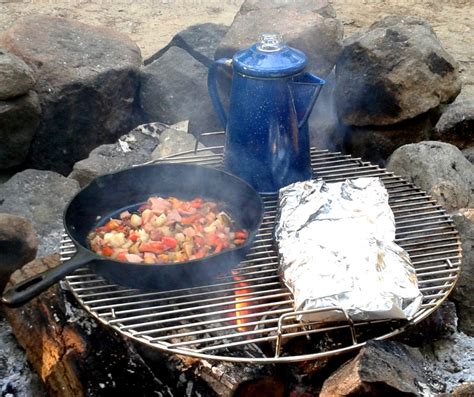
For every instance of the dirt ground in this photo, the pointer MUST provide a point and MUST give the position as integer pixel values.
(152, 23)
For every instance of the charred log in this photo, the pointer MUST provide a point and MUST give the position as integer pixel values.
(73, 354)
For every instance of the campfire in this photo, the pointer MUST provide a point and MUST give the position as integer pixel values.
(236, 328)
(248, 315)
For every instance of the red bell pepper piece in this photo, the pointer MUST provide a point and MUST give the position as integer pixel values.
(196, 203)
(189, 220)
(241, 234)
(111, 225)
(122, 256)
(169, 242)
(157, 247)
(107, 251)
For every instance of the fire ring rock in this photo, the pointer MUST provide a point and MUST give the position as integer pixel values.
(18, 245)
(394, 71)
(308, 25)
(438, 168)
(16, 77)
(87, 81)
(40, 197)
(456, 124)
(19, 118)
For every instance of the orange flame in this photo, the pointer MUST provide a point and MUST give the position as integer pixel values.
(240, 307)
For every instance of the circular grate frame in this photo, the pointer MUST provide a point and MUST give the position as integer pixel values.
(205, 322)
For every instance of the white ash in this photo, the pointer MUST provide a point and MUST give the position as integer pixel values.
(17, 378)
(50, 245)
(189, 388)
(155, 129)
(79, 317)
(451, 360)
(124, 146)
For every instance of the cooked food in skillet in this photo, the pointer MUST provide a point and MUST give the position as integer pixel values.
(167, 231)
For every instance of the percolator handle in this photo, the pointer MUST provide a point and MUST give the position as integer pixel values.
(214, 92)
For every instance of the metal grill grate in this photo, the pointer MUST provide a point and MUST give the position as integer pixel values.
(208, 322)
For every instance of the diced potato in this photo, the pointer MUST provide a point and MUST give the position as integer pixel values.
(188, 248)
(159, 221)
(134, 249)
(166, 231)
(180, 237)
(135, 220)
(149, 257)
(147, 215)
(128, 244)
(115, 240)
(143, 236)
(210, 229)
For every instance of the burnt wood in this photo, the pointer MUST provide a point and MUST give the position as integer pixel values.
(72, 354)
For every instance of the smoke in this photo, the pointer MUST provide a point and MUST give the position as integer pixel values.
(326, 132)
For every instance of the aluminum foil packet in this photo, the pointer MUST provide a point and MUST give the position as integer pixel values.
(337, 250)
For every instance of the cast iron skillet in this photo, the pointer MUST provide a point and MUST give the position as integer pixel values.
(108, 195)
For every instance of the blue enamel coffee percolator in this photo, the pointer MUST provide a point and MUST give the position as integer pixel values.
(267, 139)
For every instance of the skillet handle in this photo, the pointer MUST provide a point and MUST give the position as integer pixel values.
(23, 292)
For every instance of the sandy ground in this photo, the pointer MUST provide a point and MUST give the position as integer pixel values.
(152, 23)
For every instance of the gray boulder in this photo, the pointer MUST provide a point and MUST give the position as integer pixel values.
(19, 118)
(309, 26)
(87, 83)
(456, 124)
(394, 71)
(16, 77)
(18, 245)
(469, 154)
(463, 294)
(438, 168)
(174, 88)
(40, 197)
(132, 149)
(199, 40)
(381, 368)
(321, 7)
